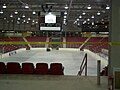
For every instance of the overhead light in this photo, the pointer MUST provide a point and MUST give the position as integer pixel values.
(16, 12)
(84, 22)
(106, 26)
(4, 6)
(23, 16)
(28, 18)
(11, 20)
(64, 19)
(18, 22)
(88, 19)
(89, 7)
(65, 16)
(93, 17)
(77, 19)
(108, 7)
(64, 22)
(83, 13)
(98, 13)
(4, 18)
(18, 18)
(27, 21)
(66, 7)
(36, 22)
(33, 21)
(24, 21)
(11, 15)
(26, 6)
(75, 22)
(34, 12)
(65, 13)
(1, 12)
(78, 24)
(97, 21)
(92, 23)
(80, 16)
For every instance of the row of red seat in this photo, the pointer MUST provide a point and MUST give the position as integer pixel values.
(28, 68)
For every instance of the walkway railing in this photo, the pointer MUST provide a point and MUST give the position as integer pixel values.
(83, 66)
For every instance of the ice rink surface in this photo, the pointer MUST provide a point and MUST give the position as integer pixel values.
(70, 58)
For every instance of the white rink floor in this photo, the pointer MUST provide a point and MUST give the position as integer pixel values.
(70, 58)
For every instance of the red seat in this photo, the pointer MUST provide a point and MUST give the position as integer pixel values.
(2, 68)
(56, 69)
(13, 68)
(41, 68)
(27, 68)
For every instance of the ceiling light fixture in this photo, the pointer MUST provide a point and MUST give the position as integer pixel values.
(24, 21)
(18, 18)
(80, 16)
(4, 6)
(1, 12)
(26, 6)
(66, 7)
(107, 7)
(16, 12)
(34, 12)
(4, 18)
(93, 17)
(77, 19)
(88, 19)
(83, 13)
(65, 13)
(27, 21)
(65, 16)
(92, 23)
(11, 15)
(89, 7)
(23, 16)
(28, 18)
(33, 21)
(98, 13)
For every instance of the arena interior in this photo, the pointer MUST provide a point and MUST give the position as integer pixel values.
(55, 44)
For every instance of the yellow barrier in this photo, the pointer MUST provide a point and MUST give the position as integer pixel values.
(117, 43)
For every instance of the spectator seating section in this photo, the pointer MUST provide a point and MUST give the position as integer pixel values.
(56, 69)
(36, 39)
(41, 68)
(2, 68)
(97, 43)
(10, 47)
(75, 39)
(27, 68)
(13, 68)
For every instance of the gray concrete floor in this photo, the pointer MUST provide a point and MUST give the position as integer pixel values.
(37, 82)
(70, 58)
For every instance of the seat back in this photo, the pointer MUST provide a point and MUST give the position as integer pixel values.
(2, 68)
(56, 69)
(13, 68)
(27, 68)
(41, 68)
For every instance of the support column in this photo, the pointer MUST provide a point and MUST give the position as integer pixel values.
(114, 53)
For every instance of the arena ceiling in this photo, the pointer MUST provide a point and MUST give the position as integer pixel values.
(78, 12)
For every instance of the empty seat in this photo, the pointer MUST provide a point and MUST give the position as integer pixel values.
(27, 68)
(13, 68)
(2, 68)
(56, 69)
(41, 68)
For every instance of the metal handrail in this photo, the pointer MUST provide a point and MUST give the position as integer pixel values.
(83, 66)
